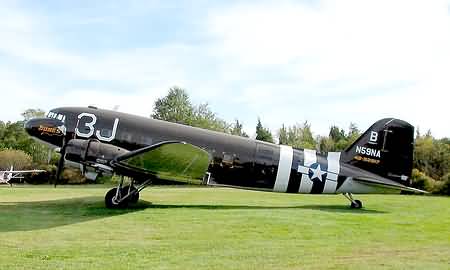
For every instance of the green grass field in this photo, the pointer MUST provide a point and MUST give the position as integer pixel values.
(214, 228)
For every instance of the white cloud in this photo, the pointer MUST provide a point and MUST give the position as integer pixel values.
(136, 76)
(336, 55)
(329, 62)
(17, 95)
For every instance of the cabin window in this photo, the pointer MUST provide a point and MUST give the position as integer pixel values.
(228, 159)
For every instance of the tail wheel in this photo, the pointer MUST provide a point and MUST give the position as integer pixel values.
(357, 204)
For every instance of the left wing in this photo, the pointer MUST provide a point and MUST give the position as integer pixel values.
(167, 160)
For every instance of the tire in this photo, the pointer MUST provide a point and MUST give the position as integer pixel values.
(356, 205)
(110, 202)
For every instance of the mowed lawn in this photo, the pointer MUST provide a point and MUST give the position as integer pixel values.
(217, 228)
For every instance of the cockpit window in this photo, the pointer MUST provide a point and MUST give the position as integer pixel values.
(55, 115)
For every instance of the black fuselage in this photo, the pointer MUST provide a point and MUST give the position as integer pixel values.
(235, 161)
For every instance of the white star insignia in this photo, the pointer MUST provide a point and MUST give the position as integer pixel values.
(317, 172)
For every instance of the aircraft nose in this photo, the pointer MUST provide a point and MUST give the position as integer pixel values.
(29, 126)
(32, 126)
(46, 129)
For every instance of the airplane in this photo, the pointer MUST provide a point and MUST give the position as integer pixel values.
(151, 151)
(7, 176)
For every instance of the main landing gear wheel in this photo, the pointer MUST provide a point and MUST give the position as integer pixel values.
(121, 196)
(356, 204)
(112, 202)
(121, 201)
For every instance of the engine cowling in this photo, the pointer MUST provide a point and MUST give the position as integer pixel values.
(92, 152)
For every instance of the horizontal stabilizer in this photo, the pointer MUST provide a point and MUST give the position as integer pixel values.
(386, 183)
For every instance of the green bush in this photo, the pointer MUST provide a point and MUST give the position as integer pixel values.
(72, 176)
(443, 187)
(16, 158)
(421, 181)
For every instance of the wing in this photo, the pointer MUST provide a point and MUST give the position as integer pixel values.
(167, 160)
(170, 160)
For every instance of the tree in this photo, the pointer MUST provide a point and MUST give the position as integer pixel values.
(262, 133)
(298, 136)
(174, 107)
(353, 133)
(33, 113)
(203, 117)
(326, 144)
(16, 158)
(336, 134)
(14, 136)
(283, 136)
(432, 156)
(236, 129)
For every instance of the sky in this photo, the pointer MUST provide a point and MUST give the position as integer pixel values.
(325, 62)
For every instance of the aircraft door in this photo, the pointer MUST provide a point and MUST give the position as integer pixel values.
(266, 161)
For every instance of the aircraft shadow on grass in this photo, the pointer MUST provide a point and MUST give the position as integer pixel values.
(328, 208)
(36, 215)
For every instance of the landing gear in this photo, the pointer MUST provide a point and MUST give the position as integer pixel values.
(122, 196)
(356, 204)
(134, 194)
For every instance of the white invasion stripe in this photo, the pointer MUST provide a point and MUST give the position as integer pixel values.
(332, 176)
(302, 169)
(333, 172)
(305, 184)
(333, 162)
(309, 159)
(330, 186)
(284, 168)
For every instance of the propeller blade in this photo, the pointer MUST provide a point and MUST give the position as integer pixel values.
(60, 163)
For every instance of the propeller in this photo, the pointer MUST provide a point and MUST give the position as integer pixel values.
(61, 161)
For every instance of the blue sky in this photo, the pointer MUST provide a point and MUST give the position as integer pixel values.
(328, 62)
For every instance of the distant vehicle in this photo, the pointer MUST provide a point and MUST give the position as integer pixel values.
(7, 176)
(149, 150)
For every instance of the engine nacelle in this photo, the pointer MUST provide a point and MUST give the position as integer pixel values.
(92, 153)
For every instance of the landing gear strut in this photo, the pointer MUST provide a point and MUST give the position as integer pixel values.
(353, 203)
(121, 196)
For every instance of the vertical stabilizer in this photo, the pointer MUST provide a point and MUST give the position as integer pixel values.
(386, 149)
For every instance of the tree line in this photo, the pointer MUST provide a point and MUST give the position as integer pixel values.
(431, 156)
